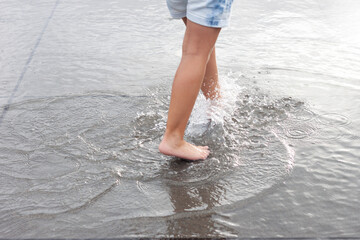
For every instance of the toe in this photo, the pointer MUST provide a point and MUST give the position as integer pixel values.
(203, 147)
(205, 154)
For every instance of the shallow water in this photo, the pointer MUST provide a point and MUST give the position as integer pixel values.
(84, 92)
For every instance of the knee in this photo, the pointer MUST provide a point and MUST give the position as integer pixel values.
(196, 51)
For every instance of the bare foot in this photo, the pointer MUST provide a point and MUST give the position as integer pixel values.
(183, 149)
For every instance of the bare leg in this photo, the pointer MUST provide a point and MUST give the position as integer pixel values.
(210, 85)
(198, 44)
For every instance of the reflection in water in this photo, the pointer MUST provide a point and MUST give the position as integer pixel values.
(192, 197)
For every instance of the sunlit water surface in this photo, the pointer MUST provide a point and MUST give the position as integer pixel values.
(85, 90)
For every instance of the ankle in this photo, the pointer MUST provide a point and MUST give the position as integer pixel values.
(173, 138)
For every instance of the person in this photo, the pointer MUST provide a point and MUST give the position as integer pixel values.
(197, 70)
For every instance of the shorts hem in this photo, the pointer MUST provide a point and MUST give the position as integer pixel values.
(178, 15)
(207, 22)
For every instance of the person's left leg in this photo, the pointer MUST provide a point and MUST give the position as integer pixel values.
(210, 85)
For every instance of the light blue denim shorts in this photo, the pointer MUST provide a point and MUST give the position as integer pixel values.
(210, 13)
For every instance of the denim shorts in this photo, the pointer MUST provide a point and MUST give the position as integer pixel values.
(210, 13)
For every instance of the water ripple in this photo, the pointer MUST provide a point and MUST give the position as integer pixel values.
(84, 146)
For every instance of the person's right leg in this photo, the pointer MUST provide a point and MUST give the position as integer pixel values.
(198, 44)
(210, 85)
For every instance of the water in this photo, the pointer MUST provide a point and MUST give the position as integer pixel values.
(84, 93)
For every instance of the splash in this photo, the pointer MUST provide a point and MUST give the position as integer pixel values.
(98, 142)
